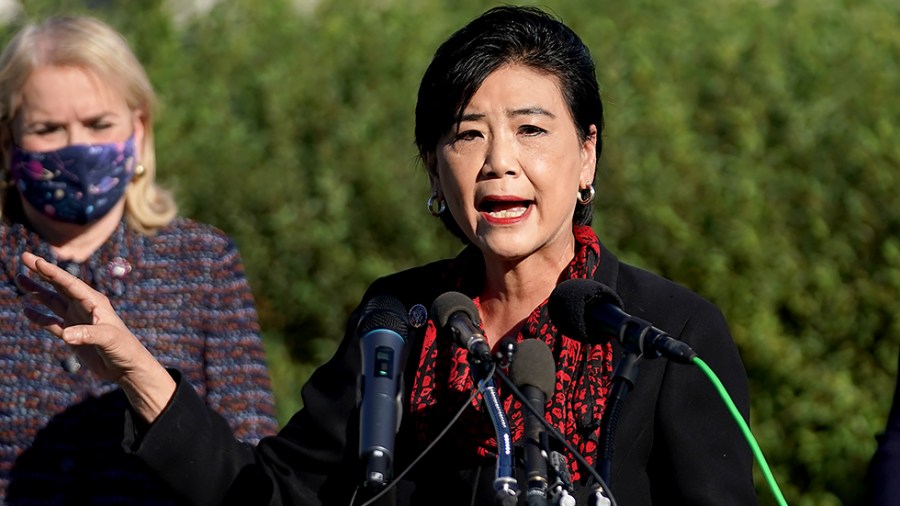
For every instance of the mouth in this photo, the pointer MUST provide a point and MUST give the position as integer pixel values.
(504, 209)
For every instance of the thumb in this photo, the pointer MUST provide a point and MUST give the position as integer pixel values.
(96, 335)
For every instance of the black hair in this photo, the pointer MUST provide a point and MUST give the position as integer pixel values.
(501, 36)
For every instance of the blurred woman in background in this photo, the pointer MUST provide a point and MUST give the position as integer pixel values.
(78, 174)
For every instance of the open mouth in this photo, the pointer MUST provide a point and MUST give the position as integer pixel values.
(505, 209)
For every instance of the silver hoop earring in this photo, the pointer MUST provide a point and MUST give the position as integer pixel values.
(590, 197)
(442, 206)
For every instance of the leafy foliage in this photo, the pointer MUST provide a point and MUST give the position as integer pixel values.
(751, 154)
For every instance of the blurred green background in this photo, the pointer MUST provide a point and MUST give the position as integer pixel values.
(751, 153)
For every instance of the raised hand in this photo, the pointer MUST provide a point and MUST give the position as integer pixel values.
(85, 319)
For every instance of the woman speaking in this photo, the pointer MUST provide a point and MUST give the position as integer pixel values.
(508, 125)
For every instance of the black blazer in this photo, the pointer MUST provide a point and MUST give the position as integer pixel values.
(675, 444)
(883, 478)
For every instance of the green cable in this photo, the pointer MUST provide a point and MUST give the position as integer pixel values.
(770, 479)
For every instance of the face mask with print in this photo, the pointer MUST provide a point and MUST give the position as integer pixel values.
(76, 184)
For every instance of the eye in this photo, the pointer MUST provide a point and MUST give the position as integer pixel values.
(467, 135)
(100, 124)
(531, 130)
(43, 129)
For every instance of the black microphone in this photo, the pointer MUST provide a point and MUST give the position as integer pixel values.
(590, 311)
(533, 370)
(383, 331)
(455, 313)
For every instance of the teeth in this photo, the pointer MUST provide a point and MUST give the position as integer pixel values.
(514, 212)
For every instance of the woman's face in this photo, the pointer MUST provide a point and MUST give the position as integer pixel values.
(511, 172)
(65, 105)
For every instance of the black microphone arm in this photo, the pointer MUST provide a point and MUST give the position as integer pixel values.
(456, 314)
(383, 332)
(602, 495)
(591, 312)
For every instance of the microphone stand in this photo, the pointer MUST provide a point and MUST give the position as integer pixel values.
(506, 488)
(623, 381)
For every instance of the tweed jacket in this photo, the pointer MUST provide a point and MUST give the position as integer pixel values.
(183, 293)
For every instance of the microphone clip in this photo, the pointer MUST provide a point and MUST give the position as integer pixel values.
(506, 351)
(561, 488)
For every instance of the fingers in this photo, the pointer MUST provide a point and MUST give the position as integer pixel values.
(50, 322)
(37, 292)
(71, 298)
(64, 282)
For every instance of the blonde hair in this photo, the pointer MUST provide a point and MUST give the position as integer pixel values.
(87, 43)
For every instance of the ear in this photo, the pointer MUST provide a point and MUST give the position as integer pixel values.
(589, 155)
(430, 161)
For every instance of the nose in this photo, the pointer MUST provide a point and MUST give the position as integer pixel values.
(77, 134)
(500, 159)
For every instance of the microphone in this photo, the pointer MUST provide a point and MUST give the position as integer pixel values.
(590, 311)
(383, 330)
(456, 313)
(533, 371)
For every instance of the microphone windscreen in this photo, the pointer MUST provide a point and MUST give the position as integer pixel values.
(383, 312)
(533, 364)
(449, 303)
(569, 303)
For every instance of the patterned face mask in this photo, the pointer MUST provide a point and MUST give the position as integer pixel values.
(76, 184)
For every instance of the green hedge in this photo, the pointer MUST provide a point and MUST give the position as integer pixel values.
(751, 154)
